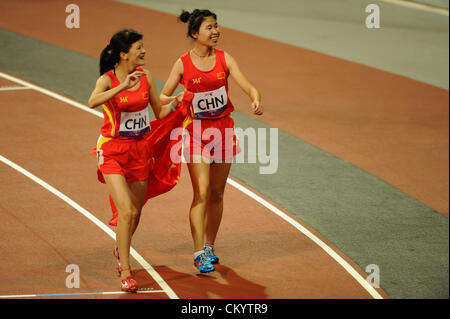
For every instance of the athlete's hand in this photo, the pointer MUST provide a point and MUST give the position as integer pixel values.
(257, 107)
(180, 97)
(132, 79)
(177, 99)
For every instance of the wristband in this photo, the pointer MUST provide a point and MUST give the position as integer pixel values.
(172, 107)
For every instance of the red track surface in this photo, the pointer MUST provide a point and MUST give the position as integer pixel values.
(347, 109)
(262, 255)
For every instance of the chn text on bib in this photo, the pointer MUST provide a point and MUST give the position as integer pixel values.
(211, 103)
(134, 123)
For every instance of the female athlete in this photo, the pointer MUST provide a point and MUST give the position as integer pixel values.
(211, 142)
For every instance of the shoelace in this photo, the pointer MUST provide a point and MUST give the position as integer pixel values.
(204, 259)
(209, 251)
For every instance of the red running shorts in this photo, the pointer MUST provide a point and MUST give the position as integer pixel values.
(215, 139)
(126, 157)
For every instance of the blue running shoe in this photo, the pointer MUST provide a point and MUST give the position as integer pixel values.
(209, 252)
(203, 264)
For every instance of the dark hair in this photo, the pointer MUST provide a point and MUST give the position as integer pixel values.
(120, 42)
(195, 19)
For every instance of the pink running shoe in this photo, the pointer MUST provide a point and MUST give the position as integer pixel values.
(129, 284)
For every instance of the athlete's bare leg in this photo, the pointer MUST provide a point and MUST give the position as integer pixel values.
(199, 172)
(128, 200)
(218, 175)
(138, 191)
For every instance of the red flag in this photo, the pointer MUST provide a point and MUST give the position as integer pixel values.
(165, 171)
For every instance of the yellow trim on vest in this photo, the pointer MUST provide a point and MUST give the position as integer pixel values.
(187, 121)
(111, 119)
(102, 141)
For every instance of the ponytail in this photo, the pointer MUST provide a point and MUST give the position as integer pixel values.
(108, 60)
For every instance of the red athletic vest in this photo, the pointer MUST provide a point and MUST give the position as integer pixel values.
(126, 114)
(210, 88)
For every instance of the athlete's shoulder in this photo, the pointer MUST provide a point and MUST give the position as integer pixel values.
(226, 55)
(186, 58)
(108, 74)
(178, 66)
(228, 59)
(148, 75)
(184, 55)
(178, 62)
(104, 80)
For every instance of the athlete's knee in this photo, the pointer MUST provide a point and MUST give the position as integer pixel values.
(201, 195)
(136, 213)
(128, 213)
(216, 195)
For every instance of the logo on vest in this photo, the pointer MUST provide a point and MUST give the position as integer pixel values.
(221, 75)
(196, 80)
(124, 99)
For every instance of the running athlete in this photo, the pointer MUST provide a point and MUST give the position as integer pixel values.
(124, 90)
(204, 70)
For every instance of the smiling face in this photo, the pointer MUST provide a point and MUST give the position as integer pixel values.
(136, 54)
(208, 33)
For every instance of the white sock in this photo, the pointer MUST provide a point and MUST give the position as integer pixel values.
(212, 246)
(197, 253)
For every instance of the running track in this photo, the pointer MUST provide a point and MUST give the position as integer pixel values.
(67, 168)
(42, 144)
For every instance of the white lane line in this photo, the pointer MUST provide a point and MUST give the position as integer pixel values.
(96, 221)
(80, 294)
(13, 88)
(50, 93)
(363, 282)
(419, 6)
(371, 290)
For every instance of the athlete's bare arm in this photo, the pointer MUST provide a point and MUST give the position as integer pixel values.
(103, 92)
(161, 110)
(244, 84)
(172, 82)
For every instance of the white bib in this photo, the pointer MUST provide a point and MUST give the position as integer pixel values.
(211, 103)
(134, 123)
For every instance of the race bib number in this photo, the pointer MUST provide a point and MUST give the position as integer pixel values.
(134, 123)
(211, 103)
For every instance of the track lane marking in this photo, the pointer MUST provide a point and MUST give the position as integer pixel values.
(347, 267)
(79, 294)
(14, 88)
(419, 6)
(363, 282)
(96, 221)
